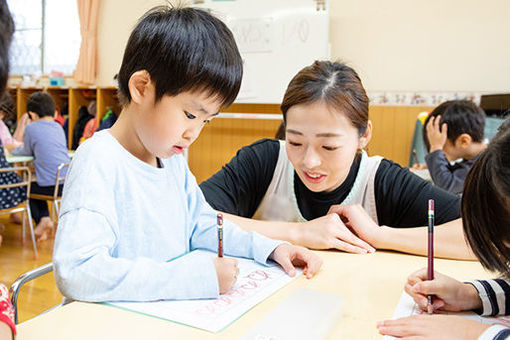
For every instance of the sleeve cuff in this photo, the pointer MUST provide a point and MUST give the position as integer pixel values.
(495, 332)
(486, 304)
(263, 247)
(7, 320)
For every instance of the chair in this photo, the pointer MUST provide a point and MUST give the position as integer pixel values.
(26, 176)
(56, 198)
(24, 278)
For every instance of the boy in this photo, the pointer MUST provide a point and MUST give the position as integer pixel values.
(453, 130)
(45, 140)
(130, 202)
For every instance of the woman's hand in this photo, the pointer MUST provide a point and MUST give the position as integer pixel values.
(356, 219)
(329, 232)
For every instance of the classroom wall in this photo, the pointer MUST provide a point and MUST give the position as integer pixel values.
(395, 45)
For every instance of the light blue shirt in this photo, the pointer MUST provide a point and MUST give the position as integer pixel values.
(123, 219)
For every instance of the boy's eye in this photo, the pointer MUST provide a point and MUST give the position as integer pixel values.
(189, 115)
(294, 143)
(330, 148)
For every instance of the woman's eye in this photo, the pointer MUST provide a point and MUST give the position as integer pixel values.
(330, 148)
(189, 115)
(294, 143)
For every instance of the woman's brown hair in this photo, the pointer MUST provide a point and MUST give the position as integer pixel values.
(334, 83)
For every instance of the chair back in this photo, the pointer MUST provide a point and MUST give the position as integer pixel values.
(59, 178)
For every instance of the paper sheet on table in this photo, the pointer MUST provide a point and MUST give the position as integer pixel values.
(255, 283)
(407, 307)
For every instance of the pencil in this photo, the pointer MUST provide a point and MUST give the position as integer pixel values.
(219, 219)
(430, 257)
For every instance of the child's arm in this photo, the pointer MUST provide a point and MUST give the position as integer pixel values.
(7, 327)
(451, 180)
(238, 242)
(26, 148)
(88, 267)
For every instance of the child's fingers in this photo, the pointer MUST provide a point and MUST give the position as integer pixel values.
(287, 265)
(312, 262)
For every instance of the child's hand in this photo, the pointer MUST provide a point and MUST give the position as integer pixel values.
(227, 271)
(436, 135)
(449, 294)
(432, 327)
(287, 256)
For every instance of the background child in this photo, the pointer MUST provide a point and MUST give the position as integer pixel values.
(45, 140)
(486, 221)
(130, 202)
(453, 130)
(7, 113)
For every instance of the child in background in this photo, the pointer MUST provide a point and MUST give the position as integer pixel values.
(130, 202)
(453, 130)
(486, 221)
(7, 113)
(45, 140)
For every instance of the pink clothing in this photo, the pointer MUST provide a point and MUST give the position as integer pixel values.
(5, 135)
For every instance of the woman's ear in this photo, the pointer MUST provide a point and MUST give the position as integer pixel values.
(365, 137)
(140, 86)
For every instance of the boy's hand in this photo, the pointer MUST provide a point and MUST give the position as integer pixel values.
(227, 271)
(436, 135)
(288, 256)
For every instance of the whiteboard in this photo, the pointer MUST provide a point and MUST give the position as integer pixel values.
(276, 39)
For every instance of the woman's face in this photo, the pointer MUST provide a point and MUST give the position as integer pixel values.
(321, 144)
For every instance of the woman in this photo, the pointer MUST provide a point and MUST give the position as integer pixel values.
(322, 184)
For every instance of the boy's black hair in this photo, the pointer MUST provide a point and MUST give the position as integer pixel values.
(183, 49)
(42, 104)
(461, 116)
(486, 204)
(6, 32)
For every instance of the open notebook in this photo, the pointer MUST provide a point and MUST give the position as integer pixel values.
(255, 283)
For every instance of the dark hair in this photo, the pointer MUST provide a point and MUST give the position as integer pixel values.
(183, 49)
(42, 104)
(486, 205)
(7, 106)
(6, 32)
(461, 116)
(280, 133)
(334, 83)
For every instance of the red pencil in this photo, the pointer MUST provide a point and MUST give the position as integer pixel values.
(430, 257)
(219, 219)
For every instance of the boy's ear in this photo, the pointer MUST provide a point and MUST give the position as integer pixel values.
(464, 140)
(139, 85)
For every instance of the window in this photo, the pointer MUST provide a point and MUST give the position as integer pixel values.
(47, 36)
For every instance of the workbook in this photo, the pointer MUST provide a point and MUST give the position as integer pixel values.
(407, 307)
(255, 283)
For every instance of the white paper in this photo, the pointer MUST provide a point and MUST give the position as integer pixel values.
(255, 282)
(407, 307)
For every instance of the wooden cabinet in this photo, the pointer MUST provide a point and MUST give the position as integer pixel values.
(74, 97)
